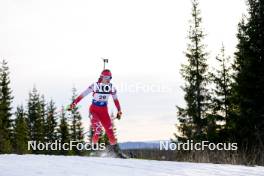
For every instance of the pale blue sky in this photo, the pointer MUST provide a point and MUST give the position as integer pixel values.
(56, 44)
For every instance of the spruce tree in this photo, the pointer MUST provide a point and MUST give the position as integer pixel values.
(249, 78)
(90, 134)
(43, 114)
(76, 129)
(63, 132)
(32, 112)
(21, 132)
(51, 135)
(193, 118)
(35, 117)
(51, 122)
(219, 121)
(5, 109)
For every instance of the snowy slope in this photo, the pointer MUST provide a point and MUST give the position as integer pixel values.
(41, 165)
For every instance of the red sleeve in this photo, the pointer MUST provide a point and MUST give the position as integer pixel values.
(83, 94)
(78, 99)
(117, 104)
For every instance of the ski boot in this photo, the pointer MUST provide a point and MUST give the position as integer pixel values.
(114, 149)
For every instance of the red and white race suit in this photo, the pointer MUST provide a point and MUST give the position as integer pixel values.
(99, 110)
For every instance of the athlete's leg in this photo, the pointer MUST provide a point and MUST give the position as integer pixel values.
(96, 126)
(107, 124)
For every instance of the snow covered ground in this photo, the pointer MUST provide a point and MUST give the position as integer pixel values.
(41, 165)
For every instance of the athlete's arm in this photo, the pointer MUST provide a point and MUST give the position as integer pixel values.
(117, 104)
(81, 96)
(116, 101)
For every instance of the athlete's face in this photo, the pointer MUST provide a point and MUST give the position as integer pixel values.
(105, 81)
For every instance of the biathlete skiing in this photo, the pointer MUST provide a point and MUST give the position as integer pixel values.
(101, 91)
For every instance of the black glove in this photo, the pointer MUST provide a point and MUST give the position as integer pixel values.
(118, 115)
